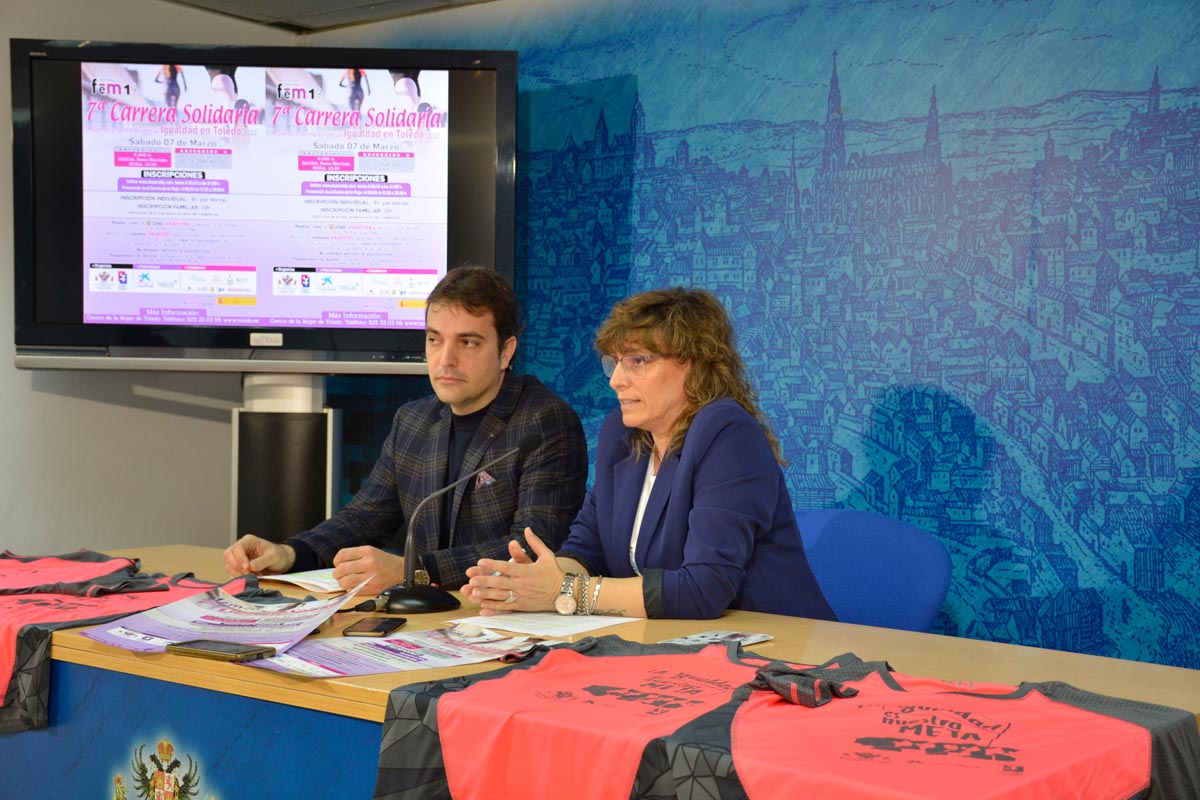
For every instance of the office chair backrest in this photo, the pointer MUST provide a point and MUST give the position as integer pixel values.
(875, 570)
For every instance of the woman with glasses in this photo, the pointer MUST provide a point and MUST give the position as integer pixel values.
(689, 514)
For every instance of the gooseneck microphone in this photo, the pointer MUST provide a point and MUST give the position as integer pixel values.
(413, 598)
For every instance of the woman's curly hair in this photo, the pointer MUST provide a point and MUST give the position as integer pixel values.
(689, 325)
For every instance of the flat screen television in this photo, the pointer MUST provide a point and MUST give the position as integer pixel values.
(250, 209)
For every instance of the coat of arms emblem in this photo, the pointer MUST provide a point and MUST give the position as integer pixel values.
(159, 777)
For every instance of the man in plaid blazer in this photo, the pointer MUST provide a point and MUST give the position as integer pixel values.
(479, 411)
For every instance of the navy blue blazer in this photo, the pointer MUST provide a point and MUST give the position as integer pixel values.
(718, 531)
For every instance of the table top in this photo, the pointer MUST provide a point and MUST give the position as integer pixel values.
(795, 639)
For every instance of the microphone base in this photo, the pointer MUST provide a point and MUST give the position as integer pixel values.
(404, 599)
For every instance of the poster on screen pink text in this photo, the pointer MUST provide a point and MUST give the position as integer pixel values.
(262, 196)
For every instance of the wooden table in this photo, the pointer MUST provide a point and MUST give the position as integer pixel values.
(338, 720)
(796, 639)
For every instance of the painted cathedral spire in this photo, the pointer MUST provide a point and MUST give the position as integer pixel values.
(933, 139)
(1155, 94)
(643, 148)
(600, 139)
(833, 155)
(792, 200)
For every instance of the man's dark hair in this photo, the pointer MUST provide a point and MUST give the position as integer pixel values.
(479, 289)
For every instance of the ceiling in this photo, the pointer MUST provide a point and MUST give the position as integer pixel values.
(310, 16)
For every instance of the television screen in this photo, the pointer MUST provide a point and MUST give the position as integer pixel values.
(221, 207)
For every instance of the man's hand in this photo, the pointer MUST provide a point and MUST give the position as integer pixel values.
(251, 554)
(353, 565)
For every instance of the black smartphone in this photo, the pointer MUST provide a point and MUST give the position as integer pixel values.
(375, 626)
(221, 651)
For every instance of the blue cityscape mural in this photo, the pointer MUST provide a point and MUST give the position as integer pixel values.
(961, 243)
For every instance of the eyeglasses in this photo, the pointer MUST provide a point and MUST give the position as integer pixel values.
(634, 365)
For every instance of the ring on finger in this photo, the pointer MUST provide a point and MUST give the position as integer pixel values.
(512, 597)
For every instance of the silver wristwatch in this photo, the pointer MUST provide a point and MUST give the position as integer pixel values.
(565, 603)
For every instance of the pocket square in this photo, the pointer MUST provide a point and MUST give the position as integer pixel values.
(484, 479)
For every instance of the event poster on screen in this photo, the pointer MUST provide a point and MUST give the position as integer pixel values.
(272, 196)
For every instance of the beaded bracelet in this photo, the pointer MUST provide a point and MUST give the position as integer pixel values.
(585, 607)
(580, 590)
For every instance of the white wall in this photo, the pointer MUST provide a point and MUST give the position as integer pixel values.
(109, 459)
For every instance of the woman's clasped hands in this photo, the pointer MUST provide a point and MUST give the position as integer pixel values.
(519, 584)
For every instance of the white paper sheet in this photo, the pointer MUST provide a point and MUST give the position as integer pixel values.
(545, 624)
(315, 580)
